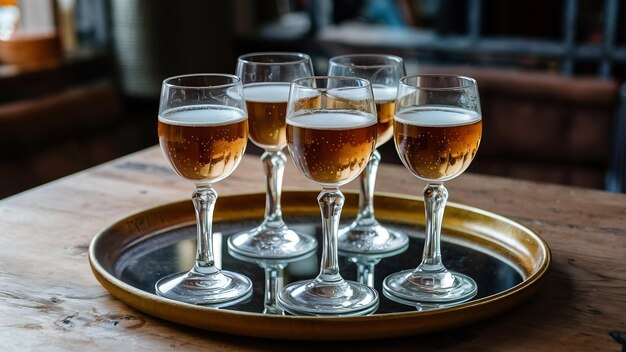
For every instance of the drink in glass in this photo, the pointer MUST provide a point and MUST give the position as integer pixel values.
(437, 143)
(205, 143)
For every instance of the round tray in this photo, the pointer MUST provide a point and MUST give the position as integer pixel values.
(507, 260)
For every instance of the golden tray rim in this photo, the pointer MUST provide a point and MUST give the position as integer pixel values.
(405, 209)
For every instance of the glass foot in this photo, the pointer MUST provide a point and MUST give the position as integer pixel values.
(371, 239)
(429, 290)
(271, 243)
(220, 288)
(318, 298)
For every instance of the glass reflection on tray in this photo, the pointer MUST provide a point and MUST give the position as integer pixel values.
(173, 250)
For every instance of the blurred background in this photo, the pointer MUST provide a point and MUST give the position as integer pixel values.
(80, 79)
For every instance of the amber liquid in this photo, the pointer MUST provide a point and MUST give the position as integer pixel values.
(204, 144)
(331, 147)
(385, 98)
(437, 144)
(384, 111)
(267, 106)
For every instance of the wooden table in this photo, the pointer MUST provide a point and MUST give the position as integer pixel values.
(49, 299)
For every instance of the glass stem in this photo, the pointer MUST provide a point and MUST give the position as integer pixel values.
(331, 202)
(367, 183)
(365, 274)
(435, 197)
(273, 284)
(204, 202)
(274, 166)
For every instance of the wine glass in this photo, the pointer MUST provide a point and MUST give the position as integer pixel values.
(437, 130)
(365, 234)
(203, 131)
(266, 78)
(331, 134)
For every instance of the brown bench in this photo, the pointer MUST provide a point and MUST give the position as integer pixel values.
(55, 135)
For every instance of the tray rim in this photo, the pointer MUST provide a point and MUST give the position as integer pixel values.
(353, 328)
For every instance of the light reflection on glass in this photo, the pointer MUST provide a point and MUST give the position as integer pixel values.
(186, 252)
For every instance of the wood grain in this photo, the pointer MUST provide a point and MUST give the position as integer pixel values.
(49, 299)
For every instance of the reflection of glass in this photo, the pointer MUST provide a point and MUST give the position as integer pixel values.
(273, 284)
(273, 269)
(203, 132)
(437, 130)
(366, 263)
(266, 78)
(365, 234)
(331, 134)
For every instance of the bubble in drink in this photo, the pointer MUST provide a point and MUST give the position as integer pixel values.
(204, 143)
(331, 147)
(437, 143)
(267, 106)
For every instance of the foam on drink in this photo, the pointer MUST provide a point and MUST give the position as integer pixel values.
(438, 117)
(267, 92)
(333, 120)
(384, 93)
(202, 115)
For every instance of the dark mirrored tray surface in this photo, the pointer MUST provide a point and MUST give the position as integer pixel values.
(506, 259)
(173, 250)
